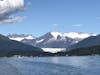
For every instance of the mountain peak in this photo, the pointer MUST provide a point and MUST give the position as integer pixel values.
(20, 37)
(75, 35)
(56, 34)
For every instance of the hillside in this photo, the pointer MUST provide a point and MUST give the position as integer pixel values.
(88, 46)
(10, 47)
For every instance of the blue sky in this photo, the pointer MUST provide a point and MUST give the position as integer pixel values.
(42, 16)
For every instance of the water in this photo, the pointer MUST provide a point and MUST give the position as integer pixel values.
(84, 65)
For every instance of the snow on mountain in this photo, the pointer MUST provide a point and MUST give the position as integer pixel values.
(57, 39)
(52, 39)
(88, 42)
(75, 35)
(56, 34)
(20, 37)
(38, 41)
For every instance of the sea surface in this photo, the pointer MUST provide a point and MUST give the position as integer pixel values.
(74, 65)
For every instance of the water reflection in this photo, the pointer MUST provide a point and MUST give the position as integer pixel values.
(90, 63)
(55, 60)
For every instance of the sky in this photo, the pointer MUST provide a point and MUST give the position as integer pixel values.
(38, 17)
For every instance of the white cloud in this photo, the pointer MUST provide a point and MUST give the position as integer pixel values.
(55, 24)
(8, 8)
(77, 25)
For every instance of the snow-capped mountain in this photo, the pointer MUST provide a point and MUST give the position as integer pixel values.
(57, 39)
(73, 35)
(20, 37)
(88, 42)
(52, 40)
(10, 48)
(88, 46)
(80, 35)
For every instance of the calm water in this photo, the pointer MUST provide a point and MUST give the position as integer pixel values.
(86, 65)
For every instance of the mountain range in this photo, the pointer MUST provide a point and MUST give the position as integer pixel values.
(20, 37)
(53, 43)
(11, 47)
(88, 46)
(52, 39)
(88, 42)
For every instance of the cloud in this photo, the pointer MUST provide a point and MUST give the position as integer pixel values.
(12, 20)
(77, 25)
(8, 8)
(55, 24)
